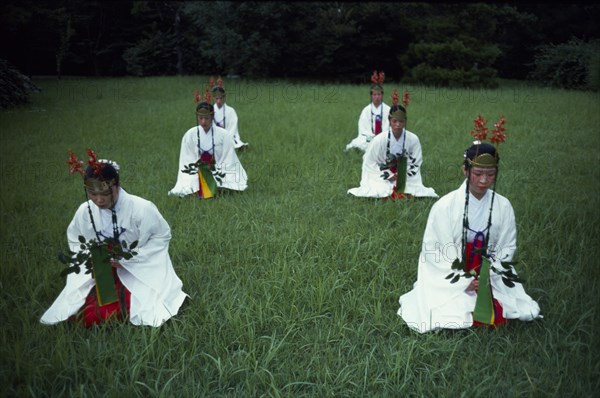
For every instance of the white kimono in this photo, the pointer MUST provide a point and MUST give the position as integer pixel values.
(226, 160)
(434, 302)
(366, 125)
(372, 184)
(156, 290)
(226, 117)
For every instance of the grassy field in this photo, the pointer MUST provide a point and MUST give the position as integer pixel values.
(294, 284)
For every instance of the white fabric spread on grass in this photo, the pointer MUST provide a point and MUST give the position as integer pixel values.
(366, 125)
(156, 290)
(226, 161)
(372, 185)
(434, 302)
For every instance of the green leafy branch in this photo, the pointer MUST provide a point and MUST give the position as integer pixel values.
(459, 266)
(509, 278)
(193, 168)
(117, 251)
(391, 162)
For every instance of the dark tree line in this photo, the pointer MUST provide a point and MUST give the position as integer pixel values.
(468, 44)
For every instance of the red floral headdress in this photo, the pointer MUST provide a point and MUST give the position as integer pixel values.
(398, 113)
(207, 95)
(98, 183)
(218, 91)
(377, 79)
(395, 97)
(205, 107)
(480, 132)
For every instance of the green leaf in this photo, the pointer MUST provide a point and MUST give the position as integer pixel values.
(456, 278)
(70, 270)
(507, 264)
(81, 239)
(63, 259)
(133, 245)
(457, 264)
(508, 282)
(450, 275)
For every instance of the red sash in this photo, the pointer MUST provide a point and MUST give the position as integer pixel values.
(377, 125)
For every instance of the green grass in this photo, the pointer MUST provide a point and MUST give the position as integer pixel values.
(294, 284)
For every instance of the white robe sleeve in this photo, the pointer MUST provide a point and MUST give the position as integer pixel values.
(365, 131)
(414, 181)
(187, 183)
(516, 303)
(156, 290)
(372, 184)
(228, 163)
(77, 286)
(231, 120)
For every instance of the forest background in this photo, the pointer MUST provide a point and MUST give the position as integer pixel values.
(442, 44)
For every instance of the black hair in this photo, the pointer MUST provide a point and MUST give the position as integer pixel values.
(107, 173)
(218, 89)
(205, 105)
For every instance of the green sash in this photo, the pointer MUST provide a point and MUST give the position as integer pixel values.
(401, 173)
(484, 306)
(103, 275)
(208, 185)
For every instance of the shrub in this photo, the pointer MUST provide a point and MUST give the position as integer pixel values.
(14, 86)
(574, 65)
(456, 62)
(153, 55)
(443, 77)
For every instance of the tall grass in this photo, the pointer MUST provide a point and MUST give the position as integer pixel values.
(294, 284)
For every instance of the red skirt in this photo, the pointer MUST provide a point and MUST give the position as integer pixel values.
(91, 313)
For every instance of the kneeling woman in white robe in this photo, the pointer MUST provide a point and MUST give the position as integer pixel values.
(459, 228)
(226, 117)
(149, 290)
(209, 143)
(393, 144)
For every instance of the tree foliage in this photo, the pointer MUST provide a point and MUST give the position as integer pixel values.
(466, 44)
(574, 64)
